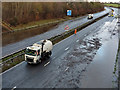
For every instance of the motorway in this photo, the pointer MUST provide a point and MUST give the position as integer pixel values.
(10, 48)
(72, 61)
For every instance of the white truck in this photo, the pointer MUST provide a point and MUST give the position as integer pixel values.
(90, 16)
(38, 51)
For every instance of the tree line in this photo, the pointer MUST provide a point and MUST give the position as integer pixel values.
(16, 13)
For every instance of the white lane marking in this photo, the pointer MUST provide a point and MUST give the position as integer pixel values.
(46, 63)
(67, 48)
(12, 67)
(53, 57)
(77, 41)
(85, 35)
(66, 68)
(13, 88)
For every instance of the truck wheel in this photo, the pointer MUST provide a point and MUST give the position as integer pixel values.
(28, 63)
(49, 54)
(38, 61)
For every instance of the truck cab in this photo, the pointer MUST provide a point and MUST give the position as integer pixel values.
(32, 54)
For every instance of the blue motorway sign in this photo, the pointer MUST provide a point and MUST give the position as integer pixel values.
(69, 12)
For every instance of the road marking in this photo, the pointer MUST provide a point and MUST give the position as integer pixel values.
(85, 35)
(53, 57)
(13, 88)
(67, 48)
(77, 41)
(46, 64)
(66, 68)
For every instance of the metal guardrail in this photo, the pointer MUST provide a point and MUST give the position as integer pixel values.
(53, 39)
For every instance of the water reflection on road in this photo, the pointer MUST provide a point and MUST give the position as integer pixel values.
(99, 73)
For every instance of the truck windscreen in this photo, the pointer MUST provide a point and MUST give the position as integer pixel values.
(30, 52)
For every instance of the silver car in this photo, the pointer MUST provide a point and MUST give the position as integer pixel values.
(117, 16)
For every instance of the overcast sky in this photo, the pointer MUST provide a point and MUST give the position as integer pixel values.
(106, 0)
(109, 0)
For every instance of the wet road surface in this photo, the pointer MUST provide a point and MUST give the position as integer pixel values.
(100, 72)
(70, 60)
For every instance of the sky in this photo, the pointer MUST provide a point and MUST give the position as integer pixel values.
(106, 0)
(109, 0)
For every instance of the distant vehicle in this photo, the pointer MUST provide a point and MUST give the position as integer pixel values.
(38, 51)
(90, 16)
(110, 14)
(117, 16)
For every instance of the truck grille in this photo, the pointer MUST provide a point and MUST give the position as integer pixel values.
(30, 59)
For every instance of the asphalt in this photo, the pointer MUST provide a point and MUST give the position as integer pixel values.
(10, 48)
(62, 71)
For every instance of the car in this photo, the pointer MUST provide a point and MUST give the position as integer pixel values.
(90, 16)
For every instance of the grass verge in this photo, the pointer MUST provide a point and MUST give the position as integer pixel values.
(112, 5)
(34, 23)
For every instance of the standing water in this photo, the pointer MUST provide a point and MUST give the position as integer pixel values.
(99, 73)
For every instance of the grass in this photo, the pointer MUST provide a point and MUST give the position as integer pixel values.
(34, 23)
(112, 5)
(37, 23)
